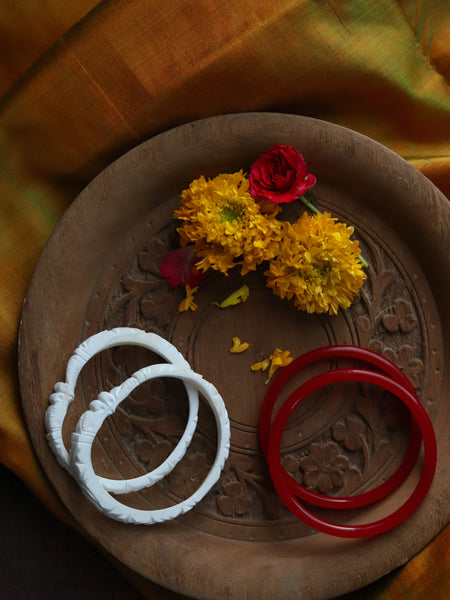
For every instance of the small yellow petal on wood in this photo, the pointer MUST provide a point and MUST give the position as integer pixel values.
(188, 303)
(261, 366)
(279, 359)
(236, 297)
(238, 346)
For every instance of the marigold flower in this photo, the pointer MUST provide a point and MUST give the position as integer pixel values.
(318, 265)
(188, 303)
(225, 224)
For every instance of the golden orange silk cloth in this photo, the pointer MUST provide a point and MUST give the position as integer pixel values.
(82, 82)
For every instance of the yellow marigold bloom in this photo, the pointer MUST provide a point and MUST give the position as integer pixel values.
(318, 265)
(226, 225)
(238, 346)
(188, 303)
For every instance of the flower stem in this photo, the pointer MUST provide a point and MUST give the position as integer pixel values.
(309, 205)
(364, 262)
(312, 208)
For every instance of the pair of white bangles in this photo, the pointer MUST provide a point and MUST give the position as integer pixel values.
(78, 460)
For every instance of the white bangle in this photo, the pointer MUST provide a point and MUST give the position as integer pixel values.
(91, 421)
(65, 392)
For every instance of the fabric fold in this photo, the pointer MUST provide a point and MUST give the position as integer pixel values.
(109, 75)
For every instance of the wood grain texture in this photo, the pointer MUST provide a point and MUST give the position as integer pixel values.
(100, 270)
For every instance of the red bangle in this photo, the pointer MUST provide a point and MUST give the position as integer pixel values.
(367, 356)
(429, 463)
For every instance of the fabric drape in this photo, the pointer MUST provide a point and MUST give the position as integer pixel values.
(83, 82)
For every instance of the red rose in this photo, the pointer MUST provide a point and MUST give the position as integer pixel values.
(280, 175)
(179, 268)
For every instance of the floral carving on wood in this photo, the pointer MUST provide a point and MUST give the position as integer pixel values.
(392, 328)
(324, 467)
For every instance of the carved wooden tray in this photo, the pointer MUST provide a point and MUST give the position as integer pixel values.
(100, 269)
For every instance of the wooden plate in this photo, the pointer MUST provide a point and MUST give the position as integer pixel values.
(100, 269)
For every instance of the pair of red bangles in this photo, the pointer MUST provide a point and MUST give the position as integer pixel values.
(387, 376)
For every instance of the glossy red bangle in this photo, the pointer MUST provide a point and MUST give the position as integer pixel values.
(374, 359)
(369, 529)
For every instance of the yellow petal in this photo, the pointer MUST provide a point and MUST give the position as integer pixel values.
(260, 366)
(236, 297)
(238, 346)
(188, 303)
(278, 359)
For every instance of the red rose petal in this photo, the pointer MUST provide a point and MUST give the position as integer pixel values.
(179, 268)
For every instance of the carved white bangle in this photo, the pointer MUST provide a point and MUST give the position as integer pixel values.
(65, 392)
(91, 421)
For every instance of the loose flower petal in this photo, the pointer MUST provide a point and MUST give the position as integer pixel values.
(188, 303)
(238, 346)
(278, 359)
(240, 295)
(179, 267)
(261, 366)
